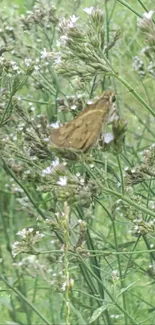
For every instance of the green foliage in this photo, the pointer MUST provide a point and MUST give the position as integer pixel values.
(77, 230)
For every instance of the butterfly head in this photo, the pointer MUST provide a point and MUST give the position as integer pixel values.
(107, 103)
(109, 96)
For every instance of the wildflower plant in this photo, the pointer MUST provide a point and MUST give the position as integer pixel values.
(78, 227)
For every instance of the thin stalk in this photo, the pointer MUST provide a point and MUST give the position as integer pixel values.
(122, 197)
(130, 258)
(95, 264)
(120, 272)
(66, 262)
(142, 4)
(121, 174)
(112, 11)
(10, 172)
(10, 99)
(109, 294)
(130, 202)
(115, 74)
(124, 3)
(131, 89)
(6, 110)
(107, 26)
(19, 294)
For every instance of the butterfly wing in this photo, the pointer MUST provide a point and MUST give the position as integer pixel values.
(81, 133)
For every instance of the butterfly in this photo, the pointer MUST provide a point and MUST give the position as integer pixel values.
(85, 129)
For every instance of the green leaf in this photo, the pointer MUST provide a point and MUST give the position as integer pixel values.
(126, 288)
(97, 312)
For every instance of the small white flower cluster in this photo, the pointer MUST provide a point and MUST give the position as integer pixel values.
(32, 63)
(67, 24)
(108, 137)
(26, 261)
(88, 10)
(93, 10)
(67, 285)
(115, 275)
(17, 248)
(44, 54)
(29, 238)
(25, 232)
(145, 23)
(148, 15)
(62, 181)
(81, 180)
(55, 125)
(138, 65)
(15, 67)
(48, 170)
(113, 316)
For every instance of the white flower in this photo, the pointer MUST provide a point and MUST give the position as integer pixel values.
(64, 285)
(65, 24)
(15, 244)
(36, 67)
(55, 162)
(108, 137)
(15, 248)
(55, 125)
(15, 67)
(115, 316)
(72, 21)
(148, 15)
(82, 181)
(88, 10)
(115, 274)
(89, 102)
(39, 235)
(63, 40)
(44, 54)
(25, 232)
(73, 107)
(62, 181)
(47, 171)
(28, 62)
(22, 233)
(58, 59)
(46, 139)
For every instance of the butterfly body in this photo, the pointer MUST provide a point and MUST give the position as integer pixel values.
(83, 131)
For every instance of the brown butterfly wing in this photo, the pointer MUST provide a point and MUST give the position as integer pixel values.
(80, 133)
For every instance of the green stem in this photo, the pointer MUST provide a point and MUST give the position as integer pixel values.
(107, 26)
(19, 294)
(121, 174)
(116, 75)
(9, 171)
(130, 258)
(122, 280)
(109, 294)
(6, 110)
(131, 89)
(142, 4)
(130, 202)
(66, 262)
(124, 3)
